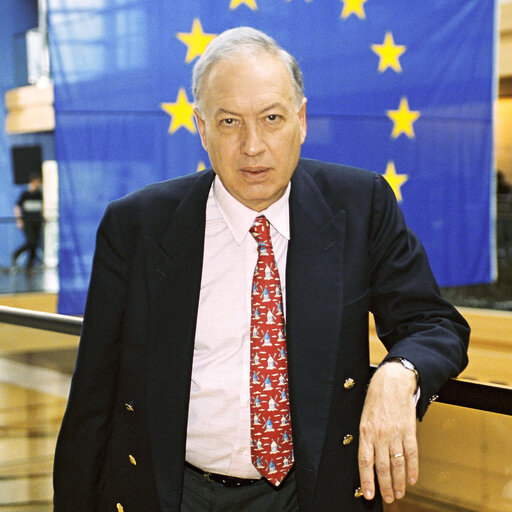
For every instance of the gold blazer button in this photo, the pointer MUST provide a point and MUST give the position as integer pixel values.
(132, 460)
(349, 383)
(358, 492)
(348, 439)
(119, 507)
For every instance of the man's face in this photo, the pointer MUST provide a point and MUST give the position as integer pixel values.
(251, 127)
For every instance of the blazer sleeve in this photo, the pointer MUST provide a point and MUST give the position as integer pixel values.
(82, 440)
(412, 319)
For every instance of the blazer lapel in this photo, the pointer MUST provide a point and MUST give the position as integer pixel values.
(173, 270)
(313, 297)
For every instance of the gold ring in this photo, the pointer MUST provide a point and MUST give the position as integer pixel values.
(396, 455)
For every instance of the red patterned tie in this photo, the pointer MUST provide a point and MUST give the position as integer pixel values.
(271, 432)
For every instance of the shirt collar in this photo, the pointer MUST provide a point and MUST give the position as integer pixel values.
(239, 218)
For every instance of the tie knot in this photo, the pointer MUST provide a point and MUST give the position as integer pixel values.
(260, 230)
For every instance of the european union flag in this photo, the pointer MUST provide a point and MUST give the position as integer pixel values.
(402, 88)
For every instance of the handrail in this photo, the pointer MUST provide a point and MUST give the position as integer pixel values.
(39, 320)
(472, 394)
(463, 393)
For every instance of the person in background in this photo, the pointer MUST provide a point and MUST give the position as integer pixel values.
(28, 211)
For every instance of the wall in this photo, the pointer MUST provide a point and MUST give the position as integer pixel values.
(505, 44)
(504, 136)
(504, 104)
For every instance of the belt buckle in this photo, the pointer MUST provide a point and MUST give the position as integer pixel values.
(207, 476)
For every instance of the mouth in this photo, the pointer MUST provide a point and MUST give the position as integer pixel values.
(255, 172)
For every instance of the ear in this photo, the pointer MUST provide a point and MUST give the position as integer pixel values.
(201, 126)
(303, 121)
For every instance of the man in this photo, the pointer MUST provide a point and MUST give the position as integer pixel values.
(184, 359)
(28, 211)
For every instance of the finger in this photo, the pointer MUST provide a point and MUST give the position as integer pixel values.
(398, 470)
(366, 475)
(411, 459)
(383, 469)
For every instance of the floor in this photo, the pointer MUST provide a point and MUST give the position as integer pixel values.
(32, 401)
(39, 279)
(34, 383)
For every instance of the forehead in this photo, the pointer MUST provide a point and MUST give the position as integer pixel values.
(245, 80)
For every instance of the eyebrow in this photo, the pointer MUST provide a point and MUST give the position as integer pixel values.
(266, 109)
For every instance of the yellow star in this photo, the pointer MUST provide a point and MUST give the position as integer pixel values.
(395, 180)
(250, 3)
(403, 119)
(389, 53)
(196, 41)
(353, 7)
(200, 166)
(181, 112)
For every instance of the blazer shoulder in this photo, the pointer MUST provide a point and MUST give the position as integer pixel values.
(327, 174)
(150, 209)
(341, 185)
(171, 191)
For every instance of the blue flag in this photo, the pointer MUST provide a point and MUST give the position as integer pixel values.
(401, 88)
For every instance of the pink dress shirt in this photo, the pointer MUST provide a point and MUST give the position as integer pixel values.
(218, 436)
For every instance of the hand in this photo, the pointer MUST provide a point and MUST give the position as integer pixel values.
(387, 429)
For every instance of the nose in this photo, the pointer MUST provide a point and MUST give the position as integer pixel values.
(252, 140)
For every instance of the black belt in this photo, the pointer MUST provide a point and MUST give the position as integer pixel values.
(225, 480)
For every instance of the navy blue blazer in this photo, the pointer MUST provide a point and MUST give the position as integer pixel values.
(122, 440)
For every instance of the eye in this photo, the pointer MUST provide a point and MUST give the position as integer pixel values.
(272, 118)
(229, 121)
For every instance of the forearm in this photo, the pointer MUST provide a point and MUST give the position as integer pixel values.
(18, 216)
(412, 319)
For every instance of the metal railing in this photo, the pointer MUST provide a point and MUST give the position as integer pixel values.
(463, 393)
(38, 320)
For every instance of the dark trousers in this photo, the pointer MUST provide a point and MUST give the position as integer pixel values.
(201, 495)
(32, 231)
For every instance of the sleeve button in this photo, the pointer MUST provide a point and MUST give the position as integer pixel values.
(358, 492)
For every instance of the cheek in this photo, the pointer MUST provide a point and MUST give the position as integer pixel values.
(224, 150)
(287, 148)
(222, 158)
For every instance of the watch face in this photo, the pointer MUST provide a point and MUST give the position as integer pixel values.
(407, 364)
